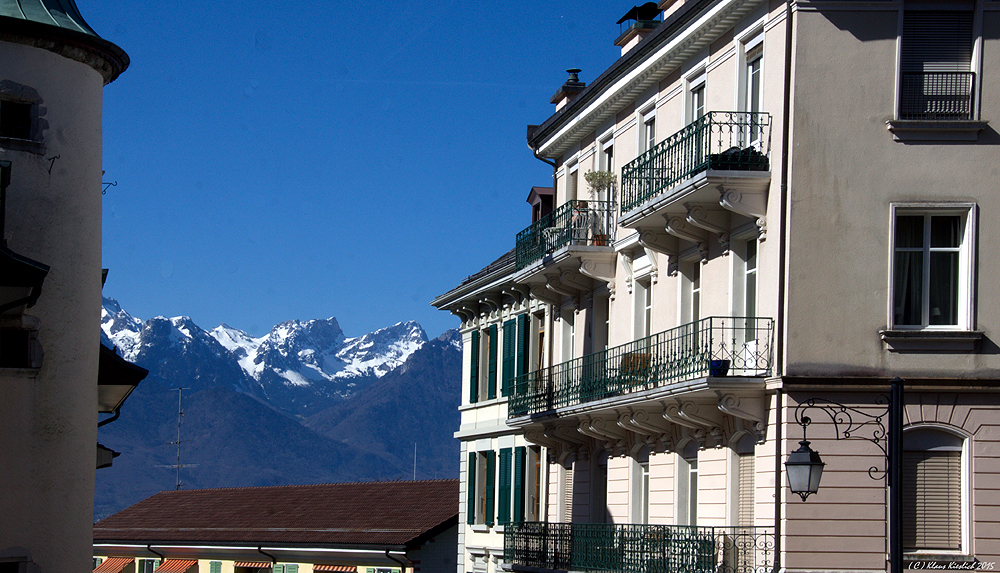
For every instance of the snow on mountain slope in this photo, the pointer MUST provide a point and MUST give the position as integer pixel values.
(121, 328)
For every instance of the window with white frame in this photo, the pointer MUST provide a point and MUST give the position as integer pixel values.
(686, 484)
(932, 266)
(753, 87)
(643, 314)
(640, 486)
(696, 97)
(742, 476)
(568, 335)
(937, 66)
(572, 172)
(599, 489)
(690, 291)
(647, 136)
(934, 490)
(480, 484)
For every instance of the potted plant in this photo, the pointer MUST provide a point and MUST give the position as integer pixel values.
(602, 184)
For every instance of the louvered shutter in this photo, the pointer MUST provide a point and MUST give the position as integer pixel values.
(522, 343)
(474, 368)
(215, 567)
(567, 495)
(509, 357)
(519, 459)
(490, 483)
(932, 500)
(470, 486)
(503, 497)
(491, 381)
(292, 568)
(278, 568)
(746, 490)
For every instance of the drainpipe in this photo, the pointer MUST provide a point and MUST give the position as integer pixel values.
(402, 565)
(117, 412)
(782, 242)
(158, 554)
(273, 559)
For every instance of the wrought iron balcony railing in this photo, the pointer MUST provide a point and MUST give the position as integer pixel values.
(639, 548)
(575, 222)
(714, 346)
(936, 96)
(722, 140)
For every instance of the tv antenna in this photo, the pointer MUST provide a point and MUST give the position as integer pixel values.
(177, 466)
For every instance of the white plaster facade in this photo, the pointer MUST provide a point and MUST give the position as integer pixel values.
(812, 246)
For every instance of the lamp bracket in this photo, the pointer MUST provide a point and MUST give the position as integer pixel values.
(849, 421)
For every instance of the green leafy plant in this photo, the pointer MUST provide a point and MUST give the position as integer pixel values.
(601, 182)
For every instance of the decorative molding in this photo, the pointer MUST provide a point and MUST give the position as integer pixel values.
(542, 293)
(752, 204)
(750, 409)
(713, 220)
(931, 340)
(679, 227)
(920, 130)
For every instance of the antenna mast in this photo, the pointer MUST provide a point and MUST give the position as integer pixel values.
(177, 466)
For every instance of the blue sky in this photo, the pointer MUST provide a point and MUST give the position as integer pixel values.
(298, 160)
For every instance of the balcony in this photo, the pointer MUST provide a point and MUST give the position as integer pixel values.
(567, 250)
(721, 150)
(638, 548)
(575, 223)
(936, 96)
(710, 347)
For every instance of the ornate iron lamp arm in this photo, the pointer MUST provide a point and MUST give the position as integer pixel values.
(848, 421)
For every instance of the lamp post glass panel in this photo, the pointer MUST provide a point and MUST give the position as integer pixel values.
(804, 469)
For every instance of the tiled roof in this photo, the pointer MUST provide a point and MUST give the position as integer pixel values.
(368, 513)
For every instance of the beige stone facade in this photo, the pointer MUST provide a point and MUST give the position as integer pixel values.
(803, 210)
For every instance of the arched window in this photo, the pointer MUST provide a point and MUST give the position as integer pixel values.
(933, 490)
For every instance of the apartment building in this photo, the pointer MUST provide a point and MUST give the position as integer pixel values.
(801, 211)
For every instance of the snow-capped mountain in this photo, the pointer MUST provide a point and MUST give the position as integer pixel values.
(300, 366)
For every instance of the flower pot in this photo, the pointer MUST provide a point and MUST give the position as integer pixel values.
(718, 367)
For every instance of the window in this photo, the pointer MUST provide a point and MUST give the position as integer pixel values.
(504, 486)
(690, 291)
(686, 478)
(937, 78)
(640, 487)
(648, 135)
(215, 567)
(146, 565)
(696, 97)
(643, 318)
(568, 335)
(933, 490)
(572, 173)
(599, 489)
(15, 119)
(743, 480)
(294, 568)
(753, 88)
(474, 351)
(607, 159)
(932, 267)
(480, 487)
(527, 490)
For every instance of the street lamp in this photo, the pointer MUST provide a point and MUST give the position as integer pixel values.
(804, 469)
(804, 466)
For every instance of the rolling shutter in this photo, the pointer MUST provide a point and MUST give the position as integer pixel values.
(746, 490)
(936, 41)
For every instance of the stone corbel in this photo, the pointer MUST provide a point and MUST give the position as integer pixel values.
(679, 227)
(671, 413)
(714, 220)
(597, 429)
(566, 436)
(492, 302)
(750, 409)
(662, 242)
(554, 283)
(748, 204)
(540, 292)
(603, 271)
(704, 419)
(627, 264)
(539, 439)
(576, 280)
(641, 422)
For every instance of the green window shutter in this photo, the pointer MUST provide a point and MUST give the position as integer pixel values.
(215, 567)
(491, 464)
(278, 568)
(474, 369)
(503, 499)
(370, 570)
(491, 388)
(470, 486)
(519, 459)
(292, 568)
(522, 343)
(509, 357)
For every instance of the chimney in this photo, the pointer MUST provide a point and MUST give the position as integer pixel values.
(568, 90)
(639, 22)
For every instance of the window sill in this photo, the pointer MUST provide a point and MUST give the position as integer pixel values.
(931, 340)
(928, 130)
(480, 528)
(15, 144)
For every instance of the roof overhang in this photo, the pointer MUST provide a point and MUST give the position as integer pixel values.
(659, 54)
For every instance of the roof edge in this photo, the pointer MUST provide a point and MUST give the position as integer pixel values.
(103, 56)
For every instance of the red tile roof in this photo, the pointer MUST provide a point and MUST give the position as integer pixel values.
(367, 513)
